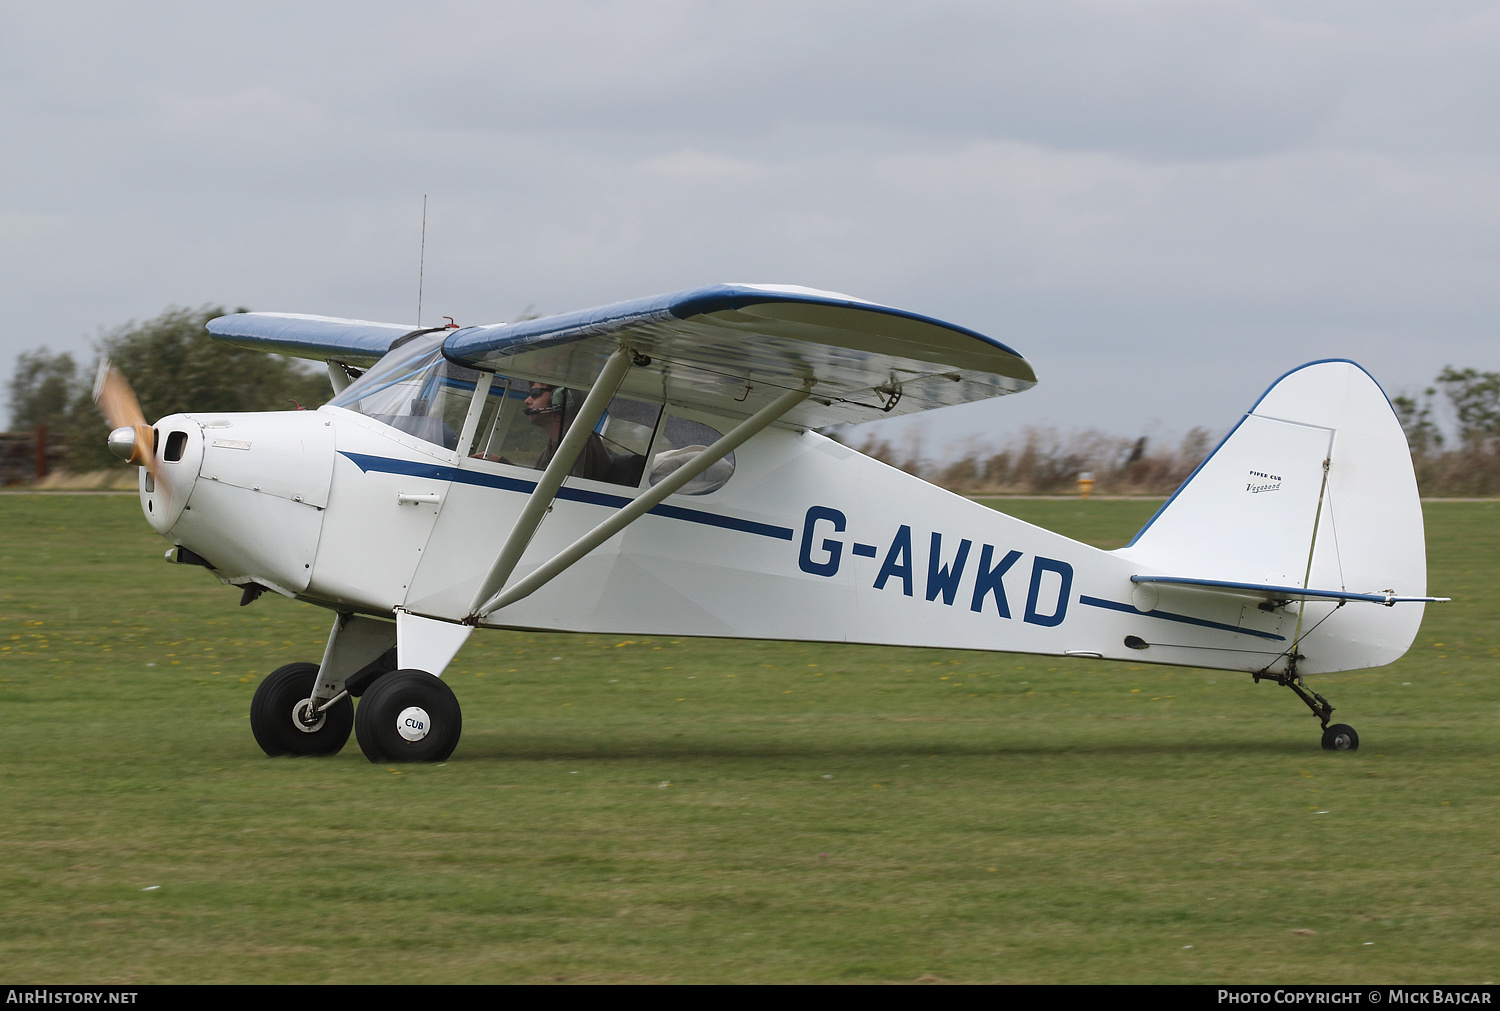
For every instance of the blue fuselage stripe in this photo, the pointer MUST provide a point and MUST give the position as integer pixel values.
(438, 472)
(1115, 605)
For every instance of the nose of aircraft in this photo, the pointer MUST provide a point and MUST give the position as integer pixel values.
(164, 492)
(176, 456)
(244, 491)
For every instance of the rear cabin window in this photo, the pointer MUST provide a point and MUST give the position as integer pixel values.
(680, 441)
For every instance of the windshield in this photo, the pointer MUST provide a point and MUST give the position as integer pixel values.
(415, 390)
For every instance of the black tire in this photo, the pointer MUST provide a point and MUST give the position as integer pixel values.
(385, 728)
(1340, 737)
(274, 725)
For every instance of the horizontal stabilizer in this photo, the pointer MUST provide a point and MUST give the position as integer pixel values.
(1266, 591)
(356, 342)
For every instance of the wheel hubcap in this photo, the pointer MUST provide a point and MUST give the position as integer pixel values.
(413, 724)
(305, 719)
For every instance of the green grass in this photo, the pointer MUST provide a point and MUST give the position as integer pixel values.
(662, 809)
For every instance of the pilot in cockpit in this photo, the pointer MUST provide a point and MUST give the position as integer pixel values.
(552, 409)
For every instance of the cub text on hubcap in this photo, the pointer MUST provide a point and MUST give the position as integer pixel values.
(413, 723)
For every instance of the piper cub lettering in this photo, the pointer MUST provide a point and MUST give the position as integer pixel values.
(653, 467)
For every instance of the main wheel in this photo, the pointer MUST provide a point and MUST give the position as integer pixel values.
(408, 716)
(280, 720)
(1340, 737)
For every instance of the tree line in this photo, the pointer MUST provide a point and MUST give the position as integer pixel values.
(175, 366)
(1465, 462)
(1046, 461)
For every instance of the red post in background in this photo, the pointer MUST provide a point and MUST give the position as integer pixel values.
(41, 452)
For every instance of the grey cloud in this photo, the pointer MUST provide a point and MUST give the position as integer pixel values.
(1163, 204)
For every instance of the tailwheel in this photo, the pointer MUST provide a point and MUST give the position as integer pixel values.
(408, 716)
(1339, 736)
(284, 722)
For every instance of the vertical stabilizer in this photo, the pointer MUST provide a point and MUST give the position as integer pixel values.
(1313, 488)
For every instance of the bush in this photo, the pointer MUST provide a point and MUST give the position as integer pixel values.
(1045, 461)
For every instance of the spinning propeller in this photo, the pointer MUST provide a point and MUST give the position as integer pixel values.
(132, 439)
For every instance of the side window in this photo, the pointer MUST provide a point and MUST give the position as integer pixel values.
(528, 420)
(519, 434)
(626, 432)
(680, 441)
(491, 427)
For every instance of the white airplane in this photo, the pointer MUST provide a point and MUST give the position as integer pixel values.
(652, 467)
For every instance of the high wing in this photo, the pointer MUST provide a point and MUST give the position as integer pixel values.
(733, 348)
(728, 348)
(356, 342)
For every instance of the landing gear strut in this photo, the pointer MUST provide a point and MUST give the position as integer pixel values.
(1340, 736)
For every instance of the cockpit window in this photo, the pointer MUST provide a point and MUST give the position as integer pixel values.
(415, 390)
(525, 426)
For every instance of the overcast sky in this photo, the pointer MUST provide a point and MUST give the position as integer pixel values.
(1162, 205)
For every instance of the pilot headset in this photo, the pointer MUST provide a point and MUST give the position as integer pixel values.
(558, 404)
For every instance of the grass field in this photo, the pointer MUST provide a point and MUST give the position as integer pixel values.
(656, 809)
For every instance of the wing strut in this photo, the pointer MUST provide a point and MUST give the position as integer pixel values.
(639, 507)
(552, 478)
